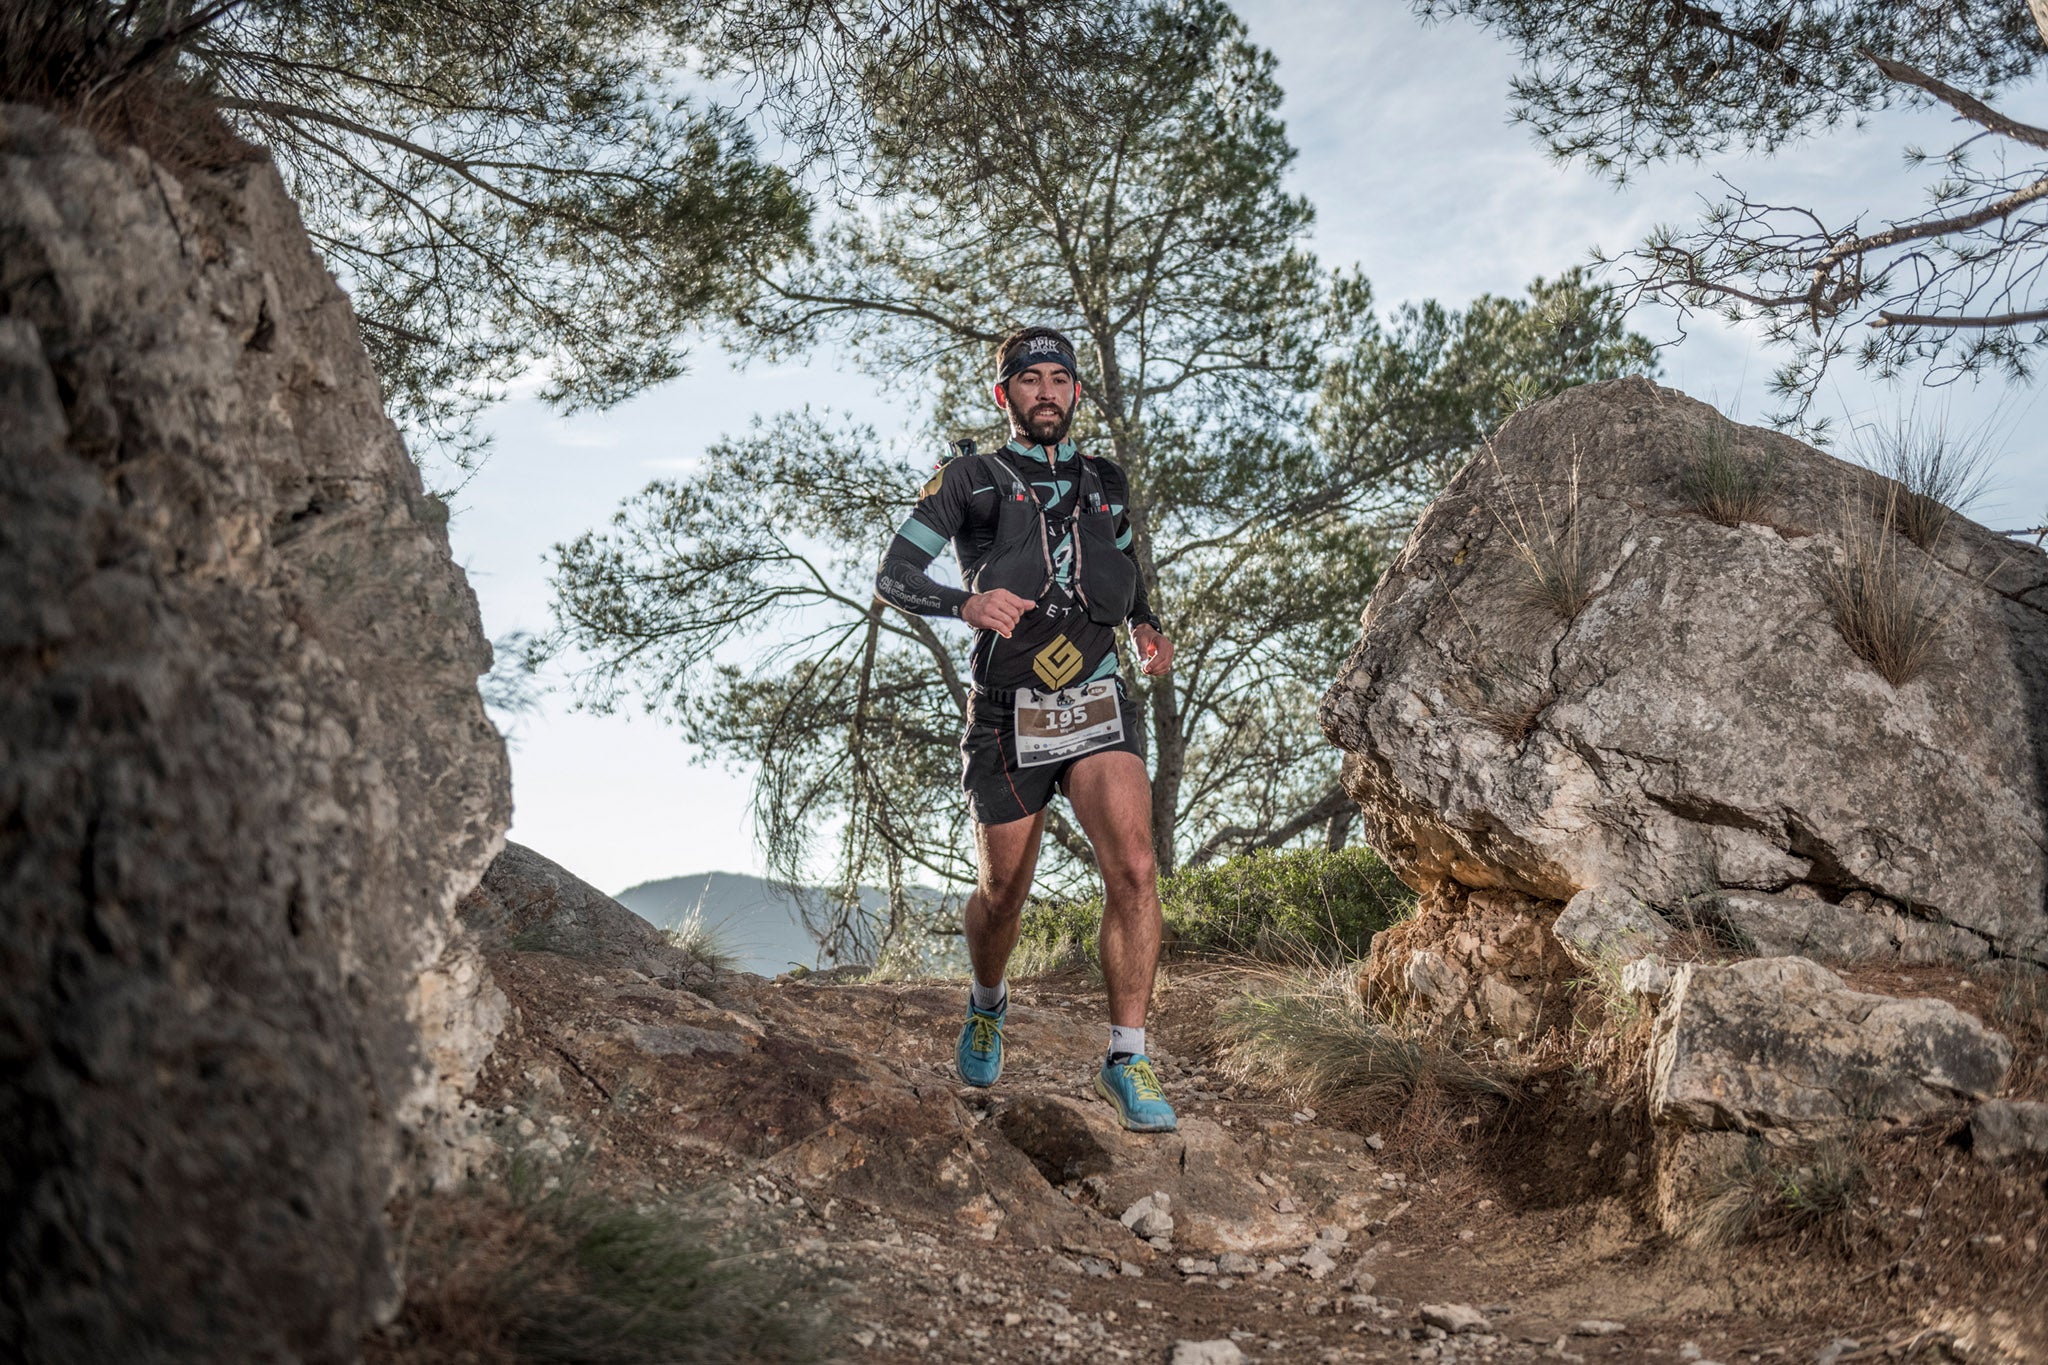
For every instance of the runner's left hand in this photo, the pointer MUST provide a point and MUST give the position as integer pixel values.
(1154, 649)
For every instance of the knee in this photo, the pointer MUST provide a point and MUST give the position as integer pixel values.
(1003, 900)
(1132, 881)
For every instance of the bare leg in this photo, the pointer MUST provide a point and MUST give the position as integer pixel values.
(1008, 855)
(1112, 796)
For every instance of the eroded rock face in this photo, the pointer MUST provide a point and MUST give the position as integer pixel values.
(246, 775)
(1483, 959)
(1781, 1044)
(1699, 725)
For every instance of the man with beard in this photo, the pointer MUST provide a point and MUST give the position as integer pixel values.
(1043, 537)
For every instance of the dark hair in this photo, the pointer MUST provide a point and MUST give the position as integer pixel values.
(1015, 342)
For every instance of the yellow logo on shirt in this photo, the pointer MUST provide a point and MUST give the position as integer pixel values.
(1057, 663)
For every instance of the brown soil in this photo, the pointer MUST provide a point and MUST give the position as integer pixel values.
(823, 1122)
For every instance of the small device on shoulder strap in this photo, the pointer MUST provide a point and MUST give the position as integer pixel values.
(956, 450)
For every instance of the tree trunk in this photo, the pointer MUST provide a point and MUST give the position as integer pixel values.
(2039, 8)
(1172, 748)
(1339, 829)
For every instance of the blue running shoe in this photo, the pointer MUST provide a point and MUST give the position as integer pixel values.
(1133, 1087)
(980, 1054)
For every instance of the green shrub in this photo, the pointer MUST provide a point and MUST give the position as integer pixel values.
(1057, 936)
(1301, 903)
(1272, 904)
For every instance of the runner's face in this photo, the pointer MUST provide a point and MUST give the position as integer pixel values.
(1041, 402)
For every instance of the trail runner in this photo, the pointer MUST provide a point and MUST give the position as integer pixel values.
(1043, 537)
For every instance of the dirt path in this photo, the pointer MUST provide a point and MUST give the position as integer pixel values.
(945, 1223)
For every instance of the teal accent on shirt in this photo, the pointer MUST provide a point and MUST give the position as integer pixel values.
(1123, 542)
(921, 535)
(1065, 452)
(1105, 669)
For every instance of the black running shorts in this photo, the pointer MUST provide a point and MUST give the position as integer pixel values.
(998, 791)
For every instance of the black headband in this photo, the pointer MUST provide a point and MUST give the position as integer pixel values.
(1040, 350)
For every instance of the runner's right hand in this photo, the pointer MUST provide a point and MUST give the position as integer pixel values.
(998, 610)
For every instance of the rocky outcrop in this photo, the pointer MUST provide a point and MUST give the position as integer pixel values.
(246, 776)
(539, 905)
(1862, 928)
(1782, 1045)
(1682, 718)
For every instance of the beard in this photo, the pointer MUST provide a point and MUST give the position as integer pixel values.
(1046, 425)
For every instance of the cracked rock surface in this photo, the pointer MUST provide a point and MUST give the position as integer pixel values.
(1697, 724)
(244, 776)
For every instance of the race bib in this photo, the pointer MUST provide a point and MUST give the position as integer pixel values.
(1053, 727)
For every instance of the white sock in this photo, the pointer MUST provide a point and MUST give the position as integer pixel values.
(990, 998)
(1123, 1039)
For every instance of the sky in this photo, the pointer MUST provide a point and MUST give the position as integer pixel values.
(1417, 175)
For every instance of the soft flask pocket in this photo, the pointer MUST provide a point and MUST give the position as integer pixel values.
(1109, 581)
(1020, 561)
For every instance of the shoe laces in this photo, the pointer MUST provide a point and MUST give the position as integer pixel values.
(1144, 1084)
(986, 1032)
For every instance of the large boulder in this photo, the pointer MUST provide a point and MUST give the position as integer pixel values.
(533, 903)
(246, 776)
(1690, 721)
(1780, 1045)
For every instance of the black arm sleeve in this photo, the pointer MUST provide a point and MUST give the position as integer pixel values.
(903, 583)
(940, 512)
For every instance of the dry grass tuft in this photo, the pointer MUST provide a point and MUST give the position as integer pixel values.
(1551, 549)
(1889, 601)
(706, 944)
(1506, 694)
(1937, 476)
(1769, 1192)
(111, 69)
(1505, 697)
(1723, 483)
(1309, 1034)
(524, 1271)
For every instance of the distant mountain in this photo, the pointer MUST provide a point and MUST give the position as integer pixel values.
(757, 919)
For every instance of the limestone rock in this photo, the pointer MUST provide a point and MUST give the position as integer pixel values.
(530, 902)
(1486, 959)
(1149, 1217)
(246, 776)
(2008, 1130)
(1217, 1204)
(1646, 976)
(1699, 723)
(1605, 924)
(1454, 1318)
(1862, 928)
(1221, 1351)
(1782, 1044)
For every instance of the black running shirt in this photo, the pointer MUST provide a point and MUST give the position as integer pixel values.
(1054, 645)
